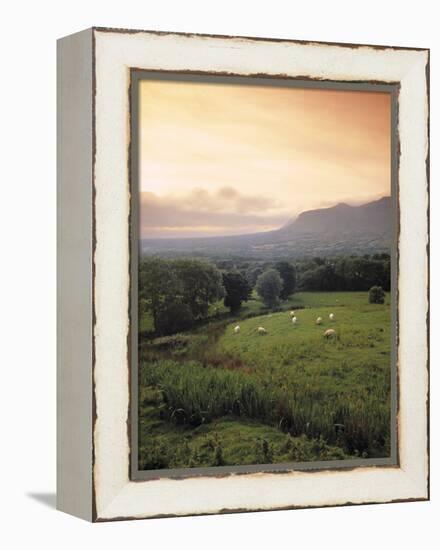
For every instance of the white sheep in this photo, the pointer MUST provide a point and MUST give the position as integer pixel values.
(292, 314)
(237, 329)
(330, 333)
(331, 316)
(262, 331)
(294, 320)
(319, 321)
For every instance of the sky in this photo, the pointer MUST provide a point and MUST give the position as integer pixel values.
(221, 159)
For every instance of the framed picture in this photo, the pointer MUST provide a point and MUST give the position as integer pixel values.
(242, 274)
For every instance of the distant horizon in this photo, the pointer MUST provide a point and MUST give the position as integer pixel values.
(227, 159)
(287, 222)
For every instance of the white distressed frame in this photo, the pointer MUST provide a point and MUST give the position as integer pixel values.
(115, 495)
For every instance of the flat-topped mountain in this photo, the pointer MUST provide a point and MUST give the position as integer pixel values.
(340, 229)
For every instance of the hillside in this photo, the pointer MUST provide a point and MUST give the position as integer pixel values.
(338, 230)
(373, 217)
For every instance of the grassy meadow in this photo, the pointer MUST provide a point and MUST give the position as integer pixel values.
(210, 396)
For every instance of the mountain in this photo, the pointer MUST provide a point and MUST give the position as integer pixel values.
(373, 217)
(338, 230)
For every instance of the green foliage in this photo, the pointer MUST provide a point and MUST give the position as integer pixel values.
(264, 452)
(310, 398)
(155, 456)
(269, 286)
(199, 392)
(316, 274)
(177, 342)
(237, 290)
(173, 316)
(304, 449)
(252, 274)
(288, 275)
(376, 295)
(201, 284)
(158, 290)
(177, 292)
(226, 441)
(345, 273)
(218, 456)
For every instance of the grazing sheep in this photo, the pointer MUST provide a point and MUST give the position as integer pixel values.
(330, 333)
(331, 316)
(237, 329)
(262, 331)
(292, 314)
(294, 320)
(319, 321)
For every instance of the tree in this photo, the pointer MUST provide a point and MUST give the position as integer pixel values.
(269, 286)
(158, 287)
(252, 275)
(237, 290)
(376, 295)
(200, 284)
(177, 292)
(288, 275)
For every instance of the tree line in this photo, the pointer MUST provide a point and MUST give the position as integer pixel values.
(179, 292)
(345, 273)
(340, 273)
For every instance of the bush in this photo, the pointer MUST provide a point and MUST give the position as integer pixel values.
(173, 317)
(177, 344)
(376, 295)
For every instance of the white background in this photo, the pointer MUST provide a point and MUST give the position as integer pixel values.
(27, 274)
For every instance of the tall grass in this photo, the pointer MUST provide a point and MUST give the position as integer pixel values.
(292, 378)
(355, 422)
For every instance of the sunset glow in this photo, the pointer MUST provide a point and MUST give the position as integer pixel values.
(219, 159)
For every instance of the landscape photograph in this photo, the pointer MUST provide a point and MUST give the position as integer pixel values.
(264, 274)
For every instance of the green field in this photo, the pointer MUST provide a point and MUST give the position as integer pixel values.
(212, 397)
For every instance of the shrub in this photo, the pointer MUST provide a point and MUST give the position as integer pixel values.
(376, 295)
(177, 343)
(173, 317)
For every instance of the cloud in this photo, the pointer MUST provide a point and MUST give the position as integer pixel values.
(224, 199)
(227, 193)
(200, 212)
(299, 146)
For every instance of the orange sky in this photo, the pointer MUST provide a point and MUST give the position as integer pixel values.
(218, 159)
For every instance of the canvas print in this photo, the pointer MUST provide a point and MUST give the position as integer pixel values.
(264, 276)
